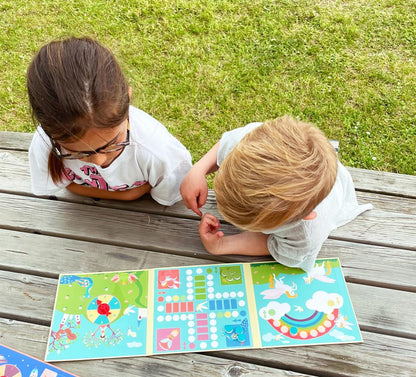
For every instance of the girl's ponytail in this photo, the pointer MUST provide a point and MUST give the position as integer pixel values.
(56, 167)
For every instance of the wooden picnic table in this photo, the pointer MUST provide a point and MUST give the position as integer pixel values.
(43, 237)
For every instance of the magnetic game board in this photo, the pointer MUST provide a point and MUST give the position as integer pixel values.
(16, 364)
(200, 308)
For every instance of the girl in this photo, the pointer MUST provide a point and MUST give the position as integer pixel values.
(89, 140)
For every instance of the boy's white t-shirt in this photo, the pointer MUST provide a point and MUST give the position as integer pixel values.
(155, 157)
(297, 244)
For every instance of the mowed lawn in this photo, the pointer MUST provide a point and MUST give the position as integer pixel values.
(203, 67)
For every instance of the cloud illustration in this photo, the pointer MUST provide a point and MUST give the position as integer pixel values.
(274, 310)
(325, 302)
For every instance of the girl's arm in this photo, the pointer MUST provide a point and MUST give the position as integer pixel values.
(194, 188)
(246, 243)
(94, 192)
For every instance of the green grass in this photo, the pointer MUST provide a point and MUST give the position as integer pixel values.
(203, 67)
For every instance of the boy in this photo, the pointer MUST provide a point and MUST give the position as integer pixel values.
(281, 183)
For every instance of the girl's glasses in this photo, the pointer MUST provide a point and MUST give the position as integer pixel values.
(108, 148)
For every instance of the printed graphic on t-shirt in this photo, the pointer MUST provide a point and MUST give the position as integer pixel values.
(95, 179)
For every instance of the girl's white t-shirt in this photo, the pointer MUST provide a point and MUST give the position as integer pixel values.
(154, 156)
(297, 244)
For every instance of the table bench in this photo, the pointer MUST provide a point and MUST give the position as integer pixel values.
(43, 237)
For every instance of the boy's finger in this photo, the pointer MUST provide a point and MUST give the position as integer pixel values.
(205, 222)
(208, 224)
(212, 219)
(211, 216)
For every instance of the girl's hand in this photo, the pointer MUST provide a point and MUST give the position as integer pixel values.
(194, 190)
(210, 236)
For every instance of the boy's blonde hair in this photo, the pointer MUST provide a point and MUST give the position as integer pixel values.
(277, 174)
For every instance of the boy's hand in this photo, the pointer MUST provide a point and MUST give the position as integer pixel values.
(194, 190)
(210, 236)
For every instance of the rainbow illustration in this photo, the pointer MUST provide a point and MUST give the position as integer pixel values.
(314, 326)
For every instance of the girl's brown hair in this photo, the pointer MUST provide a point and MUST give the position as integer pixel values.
(73, 85)
(278, 173)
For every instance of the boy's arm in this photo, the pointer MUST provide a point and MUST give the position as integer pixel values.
(194, 188)
(94, 192)
(246, 243)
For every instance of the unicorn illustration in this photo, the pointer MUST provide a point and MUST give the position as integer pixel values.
(342, 322)
(170, 282)
(318, 272)
(279, 288)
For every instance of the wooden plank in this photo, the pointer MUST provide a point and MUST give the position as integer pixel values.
(384, 182)
(15, 140)
(378, 354)
(27, 298)
(100, 225)
(374, 265)
(15, 178)
(155, 232)
(31, 339)
(380, 228)
(30, 299)
(367, 180)
(383, 310)
(388, 203)
(14, 172)
(48, 256)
